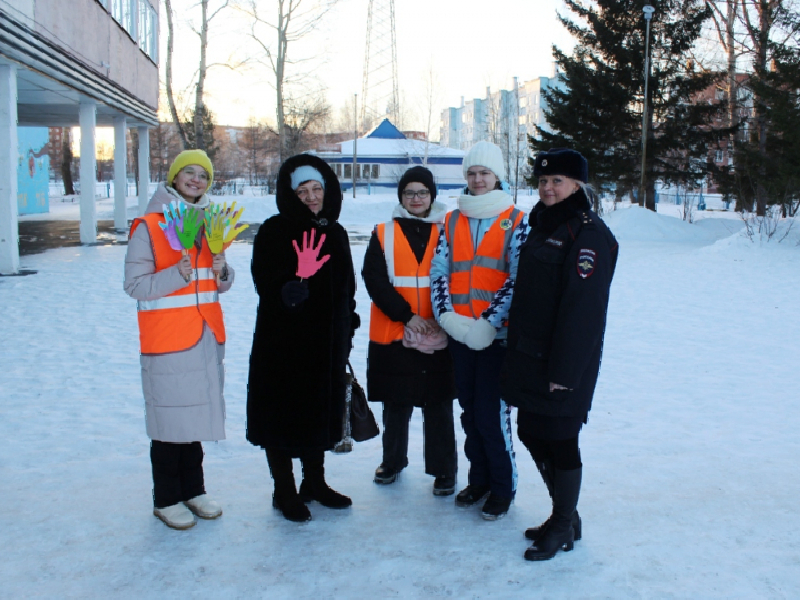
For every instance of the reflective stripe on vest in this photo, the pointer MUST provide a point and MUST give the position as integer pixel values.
(475, 276)
(175, 322)
(182, 301)
(411, 279)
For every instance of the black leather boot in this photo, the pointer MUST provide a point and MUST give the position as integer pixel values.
(535, 533)
(314, 487)
(559, 534)
(285, 498)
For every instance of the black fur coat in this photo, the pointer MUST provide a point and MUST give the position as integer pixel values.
(296, 386)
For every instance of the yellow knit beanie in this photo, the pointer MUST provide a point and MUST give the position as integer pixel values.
(191, 157)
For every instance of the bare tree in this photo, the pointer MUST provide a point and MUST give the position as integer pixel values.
(173, 111)
(430, 102)
(256, 142)
(199, 105)
(301, 118)
(291, 21)
(346, 117)
(66, 161)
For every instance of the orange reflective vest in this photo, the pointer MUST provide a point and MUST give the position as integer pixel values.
(475, 277)
(175, 322)
(410, 278)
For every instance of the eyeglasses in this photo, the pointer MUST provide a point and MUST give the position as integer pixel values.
(421, 194)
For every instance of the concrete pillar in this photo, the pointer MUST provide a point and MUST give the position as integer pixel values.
(120, 173)
(144, 168)
(9, 227)
(88, 121)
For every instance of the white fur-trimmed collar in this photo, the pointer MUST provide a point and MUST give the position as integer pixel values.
(437, 214)
(485, 206)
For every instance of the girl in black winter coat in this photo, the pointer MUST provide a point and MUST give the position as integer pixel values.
(400, 376)
(303, 273)
(555, 336)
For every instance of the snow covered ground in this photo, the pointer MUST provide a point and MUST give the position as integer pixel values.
(690, 480)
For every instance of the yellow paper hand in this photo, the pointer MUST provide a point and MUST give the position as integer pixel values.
(232, 230)
(215, 232)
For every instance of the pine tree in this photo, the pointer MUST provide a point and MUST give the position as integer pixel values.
(771, 169)
(766, 170)
(209, 145)
(599, 110)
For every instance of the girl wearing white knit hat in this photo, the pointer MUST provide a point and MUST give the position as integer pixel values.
(471, 286)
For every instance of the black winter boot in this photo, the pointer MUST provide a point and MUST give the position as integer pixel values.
(285, 497)
(534, 534)
(558, 534)
(314, 487)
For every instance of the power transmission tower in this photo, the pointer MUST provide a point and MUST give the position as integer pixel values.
(379, 96)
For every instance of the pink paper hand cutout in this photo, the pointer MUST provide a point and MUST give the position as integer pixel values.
(308, 262)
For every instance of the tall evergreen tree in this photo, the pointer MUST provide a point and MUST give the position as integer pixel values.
(599, 110)
(766, 169)
(209, 145)
(768, 173)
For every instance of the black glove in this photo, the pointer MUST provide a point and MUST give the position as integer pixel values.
(294, 293)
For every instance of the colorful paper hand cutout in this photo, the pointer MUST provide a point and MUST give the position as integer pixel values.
(307, 262)
(169, 228)
(220, 226)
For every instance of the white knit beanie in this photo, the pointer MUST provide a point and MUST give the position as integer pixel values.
(485, 154)
(306, 173)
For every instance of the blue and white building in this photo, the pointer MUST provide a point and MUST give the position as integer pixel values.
(383, 155)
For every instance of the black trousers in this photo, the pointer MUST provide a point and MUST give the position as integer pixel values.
(438, 434)
(564, 454)
(177, 472)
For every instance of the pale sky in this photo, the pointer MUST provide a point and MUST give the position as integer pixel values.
(471, 45)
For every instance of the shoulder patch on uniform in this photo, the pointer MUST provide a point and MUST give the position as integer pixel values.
(554, 242)
(586, 258)
(506, 224)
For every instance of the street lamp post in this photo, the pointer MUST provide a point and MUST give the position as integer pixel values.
(648, 14)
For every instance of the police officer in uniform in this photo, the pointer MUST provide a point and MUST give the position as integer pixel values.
(555, 336)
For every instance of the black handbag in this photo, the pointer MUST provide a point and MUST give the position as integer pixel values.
(359, 422)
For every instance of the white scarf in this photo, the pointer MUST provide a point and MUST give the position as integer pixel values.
(436, 215)
(202, 203)
(486, 206)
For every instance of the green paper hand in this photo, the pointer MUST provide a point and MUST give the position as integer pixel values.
(188, 230)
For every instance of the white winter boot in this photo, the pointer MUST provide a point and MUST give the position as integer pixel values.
(204, 507)
(176, 516)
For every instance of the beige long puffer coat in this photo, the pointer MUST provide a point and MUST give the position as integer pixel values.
(182, 390)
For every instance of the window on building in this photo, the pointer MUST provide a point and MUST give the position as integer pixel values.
(148, 30)
(720, 94)
(376, 171)
(719, 156)
(338, 169)
(123, 13)
(348, 171)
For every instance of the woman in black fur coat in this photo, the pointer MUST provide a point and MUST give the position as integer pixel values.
(303, 273)
(555, 336)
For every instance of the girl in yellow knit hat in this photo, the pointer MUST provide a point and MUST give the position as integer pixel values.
(182, 339)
